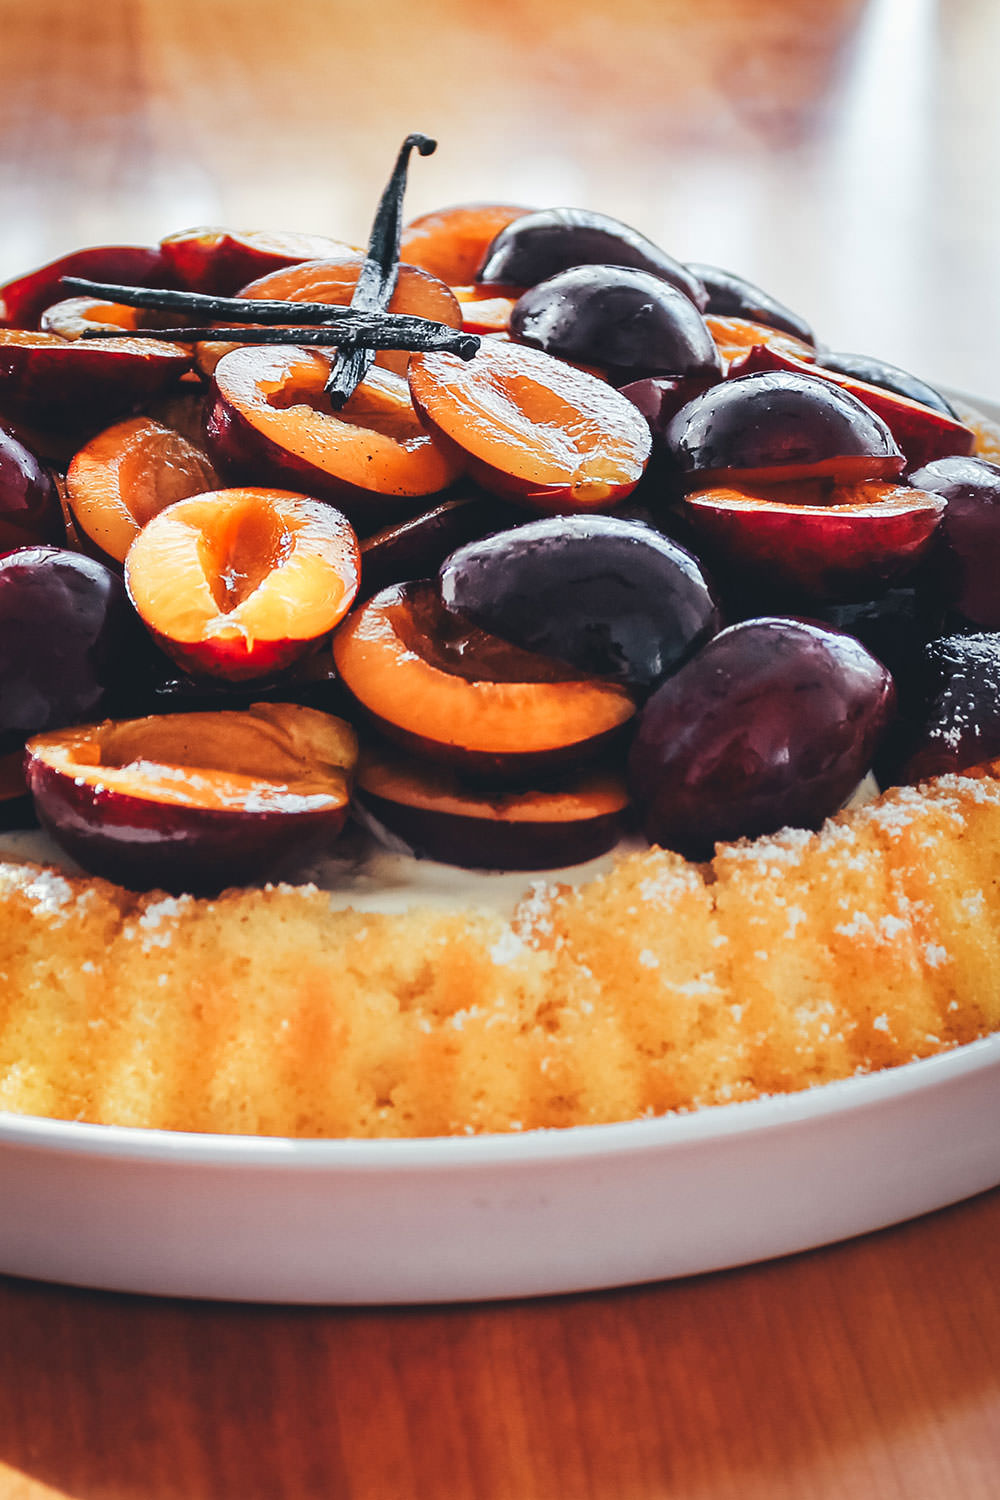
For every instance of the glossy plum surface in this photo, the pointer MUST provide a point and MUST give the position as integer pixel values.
(781, 424)
(969, 556)
(612, 597)
(959, 722)
(660, 398)
(732, 296)
(773, 723)
(538, 245)
(815, 541)
(29, 502)
(889, 377)
(193, 802)
(66, 634)
(417, 546)
(922, 433)
(627, 321)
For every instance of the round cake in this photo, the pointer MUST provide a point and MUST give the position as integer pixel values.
(445, 704)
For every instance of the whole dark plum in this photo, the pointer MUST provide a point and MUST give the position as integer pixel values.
(969, 552)
(29, 502)
(626, 320)
(612, 597)
(538, 245)
(732, 296)
(780, 425)
(889, 377)
(66, 629)
(772, 724)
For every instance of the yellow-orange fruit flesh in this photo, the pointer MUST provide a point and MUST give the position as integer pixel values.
(126, 475)
(273, 757)
(452, 242)
(533, 428)
(376, 444)
(379, 655)
(241, 582)
(736, 336)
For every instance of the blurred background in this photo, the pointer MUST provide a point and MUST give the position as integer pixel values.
(845, 154)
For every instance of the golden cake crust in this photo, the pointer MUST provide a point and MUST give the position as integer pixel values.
(786, 962)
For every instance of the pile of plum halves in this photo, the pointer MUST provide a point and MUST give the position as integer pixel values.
(649, 559)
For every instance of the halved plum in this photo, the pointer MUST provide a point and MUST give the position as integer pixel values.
(735, 337)
(220, 261)
(629, 321)
(817, 540)
(81, 317)
(194, 802)
(126, 475)
(451, 242)
(732, 296)
(272, 420)
(533, 429)
(923, 433)
(537, 245)
(438, 816)
(614, 598)
(873, 371)
(23, 300)
(486, 308)
(459, 696)
(240, 583)
(47, 379)
(767, 428)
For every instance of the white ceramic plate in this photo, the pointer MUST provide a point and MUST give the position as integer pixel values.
(496, 1216)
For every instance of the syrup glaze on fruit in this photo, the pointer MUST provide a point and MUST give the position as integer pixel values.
(828, 508)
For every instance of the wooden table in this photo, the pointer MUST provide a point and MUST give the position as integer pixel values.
(846, 156)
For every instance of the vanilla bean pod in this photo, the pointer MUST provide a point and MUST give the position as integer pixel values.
(164, 299)
(373, 331)
(377, 279)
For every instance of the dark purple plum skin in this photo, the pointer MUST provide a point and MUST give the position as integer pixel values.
(415, 547)
(660, 398)
(959, 725)
(969, 550)
(732, 296)
(772, 724)
(628, 321)
(777, 420)
(612, 597)
(144, 844)
(889, 377)
(489, 843)
(66, 630)
(29, 501)
(536, 246)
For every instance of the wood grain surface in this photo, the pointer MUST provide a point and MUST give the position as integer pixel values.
(846, 156)
(869, 1369)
